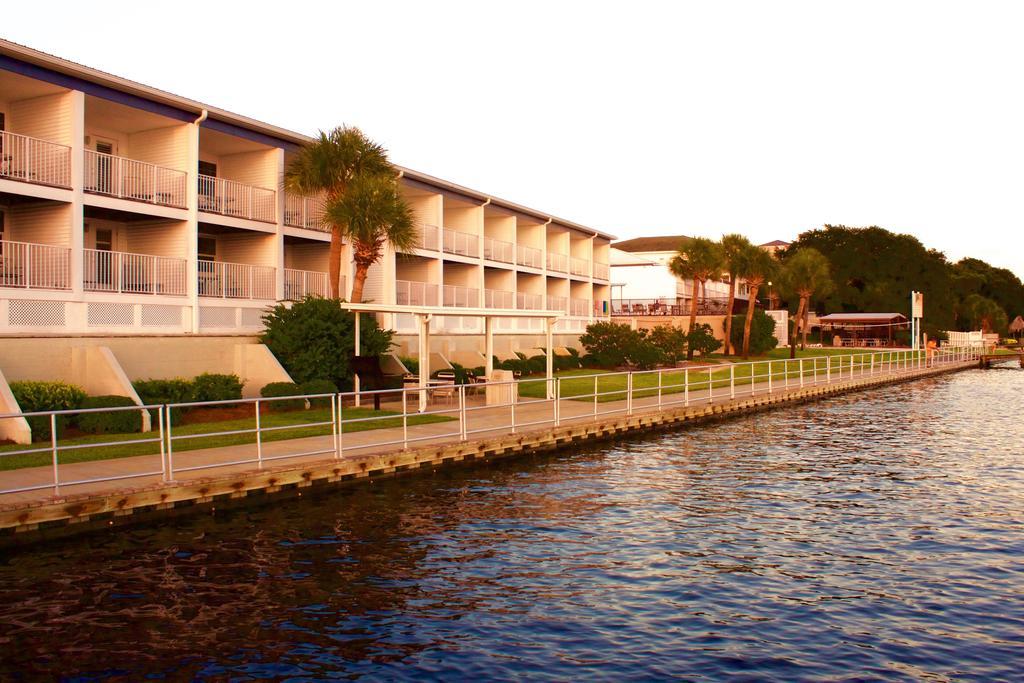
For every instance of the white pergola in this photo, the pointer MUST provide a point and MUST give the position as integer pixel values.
(424, 314)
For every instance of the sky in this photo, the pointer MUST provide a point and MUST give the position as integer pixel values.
(635, 118)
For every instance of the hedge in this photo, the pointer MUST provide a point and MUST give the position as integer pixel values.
(113, 422)
(42, 396)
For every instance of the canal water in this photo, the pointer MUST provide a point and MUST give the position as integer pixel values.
(871, 536)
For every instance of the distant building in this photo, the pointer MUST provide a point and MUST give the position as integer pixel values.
(774, 246)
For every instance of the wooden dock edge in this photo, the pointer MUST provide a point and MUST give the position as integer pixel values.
(28, 523)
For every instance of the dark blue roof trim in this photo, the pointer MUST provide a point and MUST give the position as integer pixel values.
(238, 131)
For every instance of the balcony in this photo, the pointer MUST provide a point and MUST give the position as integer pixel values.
(304, 212)
(237, 200)
(579, 266)
(409, 293)
(557, 303)
(579, 308)
(34, 161)
(529, 302)
(34, 266)
(221, 280)
(461, 297)
(461, 243)
(558, 262)
(601, 271)
(428, 237)
(298, 284)
(498, 298)
(530, 257)
(125, 273)
(136, 180)
(498, 250)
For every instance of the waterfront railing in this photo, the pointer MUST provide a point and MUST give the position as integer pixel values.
(336, 425)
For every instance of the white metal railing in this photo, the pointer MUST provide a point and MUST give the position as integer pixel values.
(236, 280)
(557, 303)
(137, 180)
(529, 302)
(462, 243)
(579, 266)
(409, 293)
(34, 160)
(230, 198)
(498, 298)
(304, 212)
(579, 307)
(523, 403)
(558, 262)
(601, 271)
(127, 273)
(528, 256)
(428, 237)
(298, 284)
(498, 250)
(461, 297)
(34, 266)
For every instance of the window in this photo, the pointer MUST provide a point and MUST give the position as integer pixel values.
(208, 168)
(207, 248)
(104, 240)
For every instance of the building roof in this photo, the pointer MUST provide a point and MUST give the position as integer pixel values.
(862, 318)
(11, 53)
(775, 243)
(625, 258)
(659, 243)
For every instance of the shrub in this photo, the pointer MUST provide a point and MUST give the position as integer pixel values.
(702, 340)
(164, 391)
(570, 362)
(112, 422)
(315, 337)
(762, 333)
(461, 376)
(278, 389)
(670, 340)
(411, 364)
(319, 386)
(211, 386)
(39, 396)
(610, 345)
(518, 364)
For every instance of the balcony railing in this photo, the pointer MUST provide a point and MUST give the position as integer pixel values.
(236, 280)
(127, 273)
(677, 306)
(304, 212)
(579, 266)
(558, 262)
(462, 243)
(601, 271)
(136, 180)
(530, 257)
(298, 284)
(238, 200)
(498, 298)
(428, 237)
(34, 266)
(579, 307)
(34, 160)
(498, 250)
(557, 303)
(461, 297)
(529, 302)
(409, 293)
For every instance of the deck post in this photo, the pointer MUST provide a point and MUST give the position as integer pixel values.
(355, 376)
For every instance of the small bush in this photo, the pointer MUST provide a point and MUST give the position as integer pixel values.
(570, 362)
(38, 396)
(277, 389)
(670, 340)
(702, 340)
(113, 422)
(216, 387)
(610, 345)
(411, 364)
(762, 333)
(319, 386)
(157, 391)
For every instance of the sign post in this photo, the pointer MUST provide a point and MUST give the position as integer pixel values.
(916, 314)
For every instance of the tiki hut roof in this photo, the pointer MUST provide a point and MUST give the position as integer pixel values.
(1017, 325)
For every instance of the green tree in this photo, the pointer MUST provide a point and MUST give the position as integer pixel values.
(762, 333)
(326, 167)
(758, 267)
(314, 338)
(985, 313)
(374, 214)
(736, 249)
(805, 274)
(700, 259)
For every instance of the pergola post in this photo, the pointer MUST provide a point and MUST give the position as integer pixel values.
(424, 358)
(549, 326)
(489, 347)
(355, 378)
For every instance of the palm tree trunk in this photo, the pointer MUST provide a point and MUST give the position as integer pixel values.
(358, 281)
(747, 324)
(334, 262)
(693, 317)
(803, 327)
(728, 313)
(796, 327)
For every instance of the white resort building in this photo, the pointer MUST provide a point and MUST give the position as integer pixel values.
(129, 212)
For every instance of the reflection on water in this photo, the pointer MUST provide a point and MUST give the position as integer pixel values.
(870, 536)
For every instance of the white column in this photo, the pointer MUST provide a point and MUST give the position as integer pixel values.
(489, 346)
(192, 226)
(355, 378)
(424, 357)
(549, 325)
(279, 239)
(77, 183)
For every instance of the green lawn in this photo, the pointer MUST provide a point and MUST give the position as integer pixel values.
(293, 418)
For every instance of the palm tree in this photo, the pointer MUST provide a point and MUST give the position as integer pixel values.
(326, 167)
(758, 266)
(700, 260)
(374, 214)
(985, 313)
(805, 274)
(735, 250)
